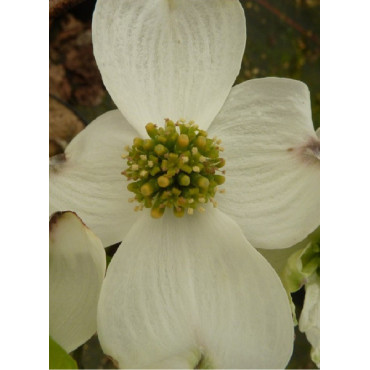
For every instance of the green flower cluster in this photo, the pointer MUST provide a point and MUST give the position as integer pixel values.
(178, 168)
(301, 266)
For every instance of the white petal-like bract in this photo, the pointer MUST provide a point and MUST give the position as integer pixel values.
(89, 181)
(192, 291)
(272, 166)
(309, 321)
(77, 267)
(168, 58)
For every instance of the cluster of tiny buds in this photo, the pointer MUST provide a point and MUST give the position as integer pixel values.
(177, 167)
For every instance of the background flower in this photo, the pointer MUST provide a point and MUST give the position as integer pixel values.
(299, 267)
(77, 269)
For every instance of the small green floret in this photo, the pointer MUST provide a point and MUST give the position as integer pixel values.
(178, 167)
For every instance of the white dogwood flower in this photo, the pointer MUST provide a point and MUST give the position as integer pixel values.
(299, 266)
(309, 321)
(190, 291)
(77, 268)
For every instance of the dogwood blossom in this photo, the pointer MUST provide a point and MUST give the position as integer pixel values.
(299, 266)
(309, 321)
(77, 268)
(192, 291)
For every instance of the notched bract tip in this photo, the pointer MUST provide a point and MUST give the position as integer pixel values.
(58, 216)
(309, 153)
(56, 162)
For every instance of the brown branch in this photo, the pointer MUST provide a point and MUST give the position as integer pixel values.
(287, 20)
(59, 7)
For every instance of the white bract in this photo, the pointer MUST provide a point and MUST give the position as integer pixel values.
(77, 268)
(299, 266)
(191, 291)
(309, 321)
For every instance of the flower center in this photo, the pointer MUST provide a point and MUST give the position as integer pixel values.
(178, 168)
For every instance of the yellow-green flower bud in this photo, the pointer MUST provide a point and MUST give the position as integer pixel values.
(163, 181)
(183, 141)
(147, 189)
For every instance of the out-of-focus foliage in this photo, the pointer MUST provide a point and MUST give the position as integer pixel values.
(59, 358)
(283, 40)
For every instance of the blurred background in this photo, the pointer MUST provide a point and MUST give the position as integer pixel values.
(283, 40)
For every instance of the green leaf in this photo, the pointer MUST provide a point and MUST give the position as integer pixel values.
(109, 258)
(300, 266)
(59, 358)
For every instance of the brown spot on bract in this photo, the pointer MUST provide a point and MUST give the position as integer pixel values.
(54, 219)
